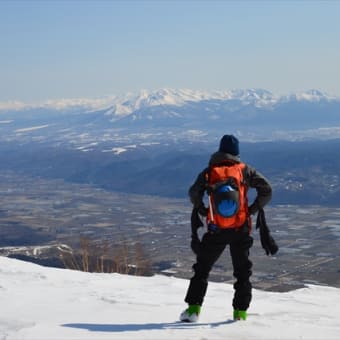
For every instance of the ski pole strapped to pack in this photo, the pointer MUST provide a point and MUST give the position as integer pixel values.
(228, 203)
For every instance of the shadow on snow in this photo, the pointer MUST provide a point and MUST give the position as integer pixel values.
(134, 327)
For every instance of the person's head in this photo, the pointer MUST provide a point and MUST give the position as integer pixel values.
(229, 144)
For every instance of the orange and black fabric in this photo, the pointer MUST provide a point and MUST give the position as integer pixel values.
(227, 190)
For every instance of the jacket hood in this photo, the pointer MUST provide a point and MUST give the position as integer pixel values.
(219, 157)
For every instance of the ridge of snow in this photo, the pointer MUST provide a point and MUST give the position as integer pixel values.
(49, 303)
(32, 128)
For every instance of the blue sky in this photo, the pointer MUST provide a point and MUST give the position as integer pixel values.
(70, 49)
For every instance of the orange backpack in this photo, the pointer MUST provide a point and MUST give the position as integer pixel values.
(228, 202)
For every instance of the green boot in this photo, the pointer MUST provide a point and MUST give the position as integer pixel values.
(240, 314)
(191, 313)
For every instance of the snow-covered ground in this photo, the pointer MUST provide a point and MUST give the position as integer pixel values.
(48, 303)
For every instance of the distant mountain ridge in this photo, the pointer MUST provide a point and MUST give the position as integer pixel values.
(171, 97)
(167, 115)
(130, 102)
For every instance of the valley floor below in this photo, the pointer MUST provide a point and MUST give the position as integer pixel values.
(38, 215)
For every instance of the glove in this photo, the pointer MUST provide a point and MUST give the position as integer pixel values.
(267, 241)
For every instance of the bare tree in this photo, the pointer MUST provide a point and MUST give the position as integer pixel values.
(103, 257)
(85, 252)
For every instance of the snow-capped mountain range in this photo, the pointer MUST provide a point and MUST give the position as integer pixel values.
(130, 102)
(152, 116)
(145, 99)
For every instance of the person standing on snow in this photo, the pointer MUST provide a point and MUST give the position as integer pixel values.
(226, 181)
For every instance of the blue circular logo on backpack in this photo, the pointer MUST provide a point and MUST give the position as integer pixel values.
(227, 208)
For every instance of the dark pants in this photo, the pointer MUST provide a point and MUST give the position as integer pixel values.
(212, 246)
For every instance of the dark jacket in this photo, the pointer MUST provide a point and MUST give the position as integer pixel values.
(252, 178)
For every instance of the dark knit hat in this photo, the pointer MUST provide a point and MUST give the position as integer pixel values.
(229, 144)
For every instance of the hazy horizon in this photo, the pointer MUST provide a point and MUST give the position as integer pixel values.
(88, 49)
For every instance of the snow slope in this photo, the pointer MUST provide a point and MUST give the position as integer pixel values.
(48, 303)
